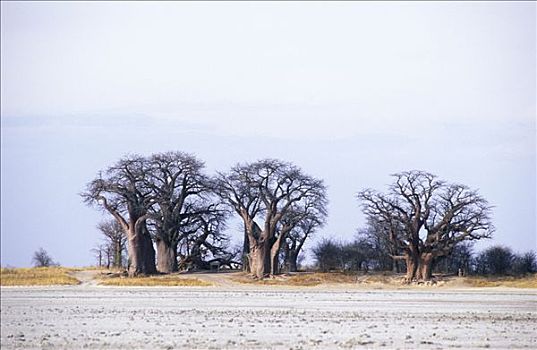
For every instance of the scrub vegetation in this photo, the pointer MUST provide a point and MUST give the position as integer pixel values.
(529, 281)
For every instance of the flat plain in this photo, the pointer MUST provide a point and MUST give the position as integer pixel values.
(232, 316)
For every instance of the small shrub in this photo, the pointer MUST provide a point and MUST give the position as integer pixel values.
(42, 259)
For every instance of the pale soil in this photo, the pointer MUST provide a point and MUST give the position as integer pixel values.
(86, 277)
(230, 315)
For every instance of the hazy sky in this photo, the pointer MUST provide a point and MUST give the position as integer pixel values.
(351, 92)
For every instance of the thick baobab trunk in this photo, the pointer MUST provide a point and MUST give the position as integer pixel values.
(412, 263)
(418, 268)
(260, 260)
(135, 256)
(166, 256)
(275, 254)
(149, 254)
(141, 255)
(425, 267)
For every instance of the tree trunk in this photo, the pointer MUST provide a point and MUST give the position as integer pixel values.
(411, 267)
(425, 267)
(275, 254)
(149, 254)
(275, 259)
(274, 263)
(117, 255)
(260, 260)
(135, 256)
(395, 266)
(166, 257)
(108, 259)
(245, 253)
(418, 267)
(141, 254)
(293, 257)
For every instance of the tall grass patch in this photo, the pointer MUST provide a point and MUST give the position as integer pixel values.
(302, 279)
(154, 281)
(529, 281)
(36, 276)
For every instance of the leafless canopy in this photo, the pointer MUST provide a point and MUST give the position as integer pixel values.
(271, 197)
(41, 258)
(121, 191)
(425, 217)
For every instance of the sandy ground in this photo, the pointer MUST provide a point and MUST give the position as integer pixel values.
(230, 316)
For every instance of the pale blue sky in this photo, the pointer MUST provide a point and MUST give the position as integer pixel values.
(351, 92)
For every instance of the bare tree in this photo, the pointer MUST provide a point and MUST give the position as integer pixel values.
(121, 191)
(100, 251)
(262, 194)
(297, 237)
(425, 218)
(384, 246)
(205, 241)
(115, 242)
(42, 259)
(307, 214)
(182, 195)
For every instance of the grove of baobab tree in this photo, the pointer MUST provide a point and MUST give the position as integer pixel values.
(167, 201)
(165, 198)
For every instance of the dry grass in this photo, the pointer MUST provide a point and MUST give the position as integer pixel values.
(389, 281)
(37, 276)
(92, 268)
(301, 279)
(154, 281)
(504, 281)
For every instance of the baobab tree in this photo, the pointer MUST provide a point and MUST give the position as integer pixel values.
(207, 242)
(384, 241)
(425, 218)
(181, 194)
(310, 220)
(265, 194)
(297, 224)
(121, 191)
